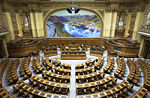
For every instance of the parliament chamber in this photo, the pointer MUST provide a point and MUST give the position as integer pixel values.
(75, 49)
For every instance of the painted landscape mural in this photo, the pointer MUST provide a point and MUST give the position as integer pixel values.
(83, 24)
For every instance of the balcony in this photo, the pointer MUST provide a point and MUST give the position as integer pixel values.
(144, 31)
(3, 31)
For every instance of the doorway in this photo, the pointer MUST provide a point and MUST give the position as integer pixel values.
(147, 50)
(2, 50)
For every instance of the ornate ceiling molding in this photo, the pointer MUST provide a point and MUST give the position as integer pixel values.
(47, 4)
(72, 2)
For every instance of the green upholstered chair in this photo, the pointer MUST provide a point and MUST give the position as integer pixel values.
(66, 52)
(50, 45)
(73, 43)
(75, 52)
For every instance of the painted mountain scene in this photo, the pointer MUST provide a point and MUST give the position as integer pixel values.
(83, 24)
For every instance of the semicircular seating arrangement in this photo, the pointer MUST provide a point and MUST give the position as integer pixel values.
(36, 65)
(110, 77)
(46, 63)
(56, 77)
(3, 92)
(119, 73)
(25, 72)
(109, 67)
(96, 50)
(59, 88)
(133, 76)
(145, 69)
(115, 91)
(28, 90)
(12, 76)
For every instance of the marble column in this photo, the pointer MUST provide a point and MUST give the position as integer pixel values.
(138, 21)
(9, 24)
(19, 26)
(5, 48)
(107, 23)
(39, 24)
(127, 28)
(33, 26)
(113, 24)
(142, 47)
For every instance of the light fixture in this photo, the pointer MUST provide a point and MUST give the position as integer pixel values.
(69, 10)
(77, 10)
(73, 8)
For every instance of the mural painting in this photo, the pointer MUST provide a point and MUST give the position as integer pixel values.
(83, 24)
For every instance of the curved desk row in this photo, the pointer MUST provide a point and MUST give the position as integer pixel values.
(49, 83)
(3, 92)
(37, 92)
(141, 93)
(106, 93)
(99, 82)
(24, 50)
(122, 49)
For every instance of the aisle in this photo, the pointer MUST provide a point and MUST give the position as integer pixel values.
(72, 89)
(73, 63)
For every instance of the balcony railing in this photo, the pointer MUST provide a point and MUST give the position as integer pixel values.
(144, 30)
(2, 30)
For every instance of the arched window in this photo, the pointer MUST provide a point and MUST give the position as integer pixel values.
(26, 24)
(120, 24)
(148, 18)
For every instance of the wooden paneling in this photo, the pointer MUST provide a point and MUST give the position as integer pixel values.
(23, 49)
(80, 41)
(122, 47)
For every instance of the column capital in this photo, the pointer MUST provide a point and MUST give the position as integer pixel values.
(108, 10)
(17, 11)
(5, 9)
(130, 10)
(141, 10)
(112, 10)
(35, 10)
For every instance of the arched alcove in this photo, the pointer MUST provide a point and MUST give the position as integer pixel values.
(60, 23)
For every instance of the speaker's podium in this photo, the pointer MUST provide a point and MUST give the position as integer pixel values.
(73, 55)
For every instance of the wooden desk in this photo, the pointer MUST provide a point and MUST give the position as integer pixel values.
(36, 66)
(58, 63)
(37, 92)
(73, 56)
(106, 93)
(65, 77)
(49, 83)
(121, 68)
(4, 93)
(99, 82)
(66, 66)
(132, 70)
(62, 70)
(146, 71)
(24, 68)
(122, 47)
(24, 47)
(89, 77)
(99, 63)
(141, 93)
(79, 66)
(88, 69)
(12, 76)
(109, 67)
